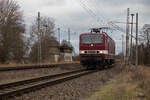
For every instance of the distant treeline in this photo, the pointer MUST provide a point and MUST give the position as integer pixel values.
(18, 44)
(143, 47)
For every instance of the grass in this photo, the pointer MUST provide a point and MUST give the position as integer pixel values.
(132, 85)
(114, 90)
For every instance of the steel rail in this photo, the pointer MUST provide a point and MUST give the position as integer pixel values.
(39, 83)
(27, 81)
(26, 67)
(31, 67)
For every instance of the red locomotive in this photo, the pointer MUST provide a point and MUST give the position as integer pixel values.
(96, 48)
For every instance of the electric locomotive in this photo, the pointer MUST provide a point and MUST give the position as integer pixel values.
(96, 48)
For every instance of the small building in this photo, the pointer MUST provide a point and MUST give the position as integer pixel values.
(53, 50)
(54, 53)
(66, 51)
(57, 52)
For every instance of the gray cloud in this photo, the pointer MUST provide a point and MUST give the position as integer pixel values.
(121, 2)
(53, 2)
(70, 14)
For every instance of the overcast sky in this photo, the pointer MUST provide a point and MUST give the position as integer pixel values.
(73, 14)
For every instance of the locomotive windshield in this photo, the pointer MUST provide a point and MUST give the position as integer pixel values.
(91, 39)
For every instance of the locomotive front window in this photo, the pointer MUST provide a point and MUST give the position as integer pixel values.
(91, 39)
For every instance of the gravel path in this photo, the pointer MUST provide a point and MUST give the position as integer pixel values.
(10, 76)
(76, 89)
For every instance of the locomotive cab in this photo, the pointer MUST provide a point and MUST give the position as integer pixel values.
(96, 49)
(92, 49)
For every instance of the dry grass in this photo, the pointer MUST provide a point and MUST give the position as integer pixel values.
(142, 78)
(130, 84)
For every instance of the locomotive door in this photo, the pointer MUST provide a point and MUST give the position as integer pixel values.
(107, 47)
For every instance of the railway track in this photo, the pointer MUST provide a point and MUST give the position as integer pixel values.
(32, 67)
(25, 86)
(26, 67)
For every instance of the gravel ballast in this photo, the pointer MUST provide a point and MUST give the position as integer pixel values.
(76, 89)
(10, 76)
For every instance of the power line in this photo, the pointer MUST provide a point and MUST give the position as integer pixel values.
(89, 11)
(110, 23)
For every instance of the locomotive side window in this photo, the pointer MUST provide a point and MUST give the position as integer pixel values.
(91, 39)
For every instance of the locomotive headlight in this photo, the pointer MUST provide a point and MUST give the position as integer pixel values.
(82, 52)
(103, 51)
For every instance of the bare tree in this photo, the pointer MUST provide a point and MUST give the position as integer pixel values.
(11, 31)
(47, 38)
(144, 46)
(146, 33)
(46, 28)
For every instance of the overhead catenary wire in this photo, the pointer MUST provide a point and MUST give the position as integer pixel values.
(111, 24)
(108, 23)
(91, 12)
